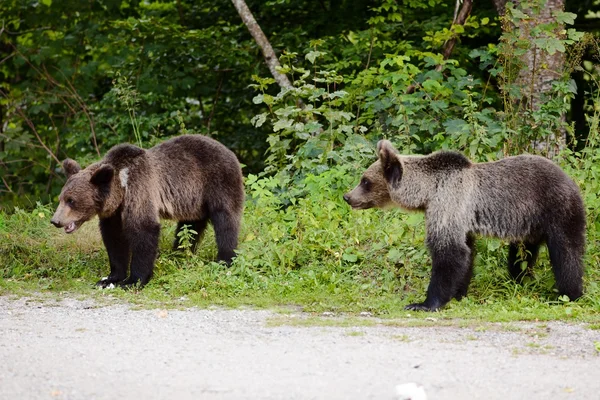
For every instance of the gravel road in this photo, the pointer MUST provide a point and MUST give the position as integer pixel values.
(75, 349)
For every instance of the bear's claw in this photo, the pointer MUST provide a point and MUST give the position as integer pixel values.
(108, 282)
(420, 307)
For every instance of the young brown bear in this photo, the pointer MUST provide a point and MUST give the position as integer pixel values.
(192, 179)
(526, 199)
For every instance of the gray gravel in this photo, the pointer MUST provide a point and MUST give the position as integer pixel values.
(77, 350)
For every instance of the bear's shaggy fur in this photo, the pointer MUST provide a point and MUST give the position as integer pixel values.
(525, 199)
(192, 179)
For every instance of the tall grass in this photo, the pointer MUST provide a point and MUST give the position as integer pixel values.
(315, 253)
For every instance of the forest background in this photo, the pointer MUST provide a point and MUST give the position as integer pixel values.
(301, 96)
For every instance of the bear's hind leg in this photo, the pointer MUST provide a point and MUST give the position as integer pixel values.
(117, 247)
(566, 256)
(144, 248)
(451, 266)
(227, 227)
(199, 226)
(515, 269)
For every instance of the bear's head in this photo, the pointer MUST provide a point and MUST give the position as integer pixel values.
(85, 194)
(373, 190)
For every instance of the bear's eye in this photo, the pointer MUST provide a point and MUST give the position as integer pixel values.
(70, 202)
(365, 183)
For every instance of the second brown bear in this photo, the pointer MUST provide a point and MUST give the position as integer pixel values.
(525, 199)
(191, 179)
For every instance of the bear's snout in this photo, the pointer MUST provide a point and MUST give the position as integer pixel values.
(346, 198)
(55, 223)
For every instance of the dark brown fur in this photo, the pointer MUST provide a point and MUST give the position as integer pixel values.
(191, 179)
(525, 199)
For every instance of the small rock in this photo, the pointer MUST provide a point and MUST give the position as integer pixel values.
(328, 314)
(366, 314)
(410, 391)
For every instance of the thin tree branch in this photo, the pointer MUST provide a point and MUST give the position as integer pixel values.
(370, 49)
(262, 41)
(70, 90)
(7, 185)
(460, 19)
(32, 127)
(6, 58)
(90, 118)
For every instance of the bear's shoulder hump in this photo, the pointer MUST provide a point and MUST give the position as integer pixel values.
(122, 153)
(447, 160)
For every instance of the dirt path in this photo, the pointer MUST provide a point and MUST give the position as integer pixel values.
(75, 350)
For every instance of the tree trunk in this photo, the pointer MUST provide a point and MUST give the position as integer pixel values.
(262, 41)
(539, 68)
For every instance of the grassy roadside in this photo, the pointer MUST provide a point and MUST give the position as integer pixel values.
(316, 255)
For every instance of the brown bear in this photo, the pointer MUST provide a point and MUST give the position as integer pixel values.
(191, 178)
(526, 199)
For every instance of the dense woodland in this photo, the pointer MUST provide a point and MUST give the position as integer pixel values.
(79, 77)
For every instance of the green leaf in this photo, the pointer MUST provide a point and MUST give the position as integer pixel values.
(47, 2)
(259, 120)
(551, 45)
(431, 85)
(414, 219)
(518, 14)
(394, 255)
(493, 245)
(565, 17)
(312, 56)
(338, 93)
(282, 124)
(574, 35)
(258, 99)
(350, 257)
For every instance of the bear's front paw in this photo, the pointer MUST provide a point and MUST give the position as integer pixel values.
(108, 282)
(420, 307)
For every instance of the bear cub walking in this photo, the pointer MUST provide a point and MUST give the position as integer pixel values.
(525, 199)
(191, 178)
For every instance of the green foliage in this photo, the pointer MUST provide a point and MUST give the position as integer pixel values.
(77, 81)
(186, 238)
(128, 96)
(29, 254)
(315, 253)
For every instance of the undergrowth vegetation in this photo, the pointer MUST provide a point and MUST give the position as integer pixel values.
(311, 251)
(301, 244)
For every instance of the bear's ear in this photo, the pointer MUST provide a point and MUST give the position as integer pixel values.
(70, 167)
(103, 175)
(390, 163)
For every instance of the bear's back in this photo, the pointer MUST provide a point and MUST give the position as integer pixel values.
(527, 177)
(200, 149)
(196, 158)
(518, 195)
(183, 178)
